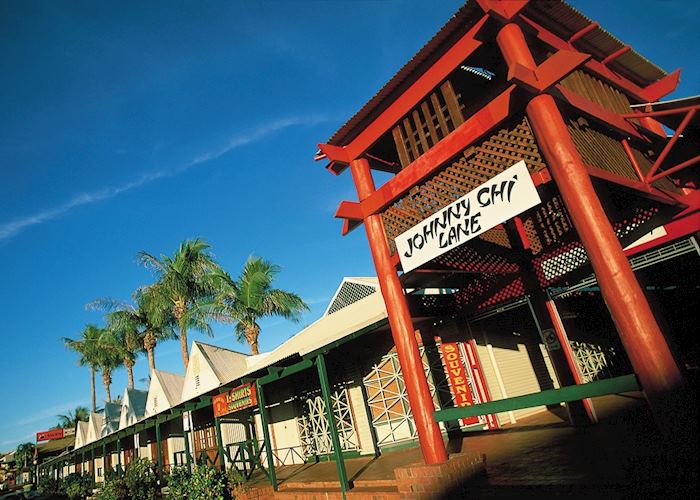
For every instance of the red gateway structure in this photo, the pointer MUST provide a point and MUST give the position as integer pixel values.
(505, 81)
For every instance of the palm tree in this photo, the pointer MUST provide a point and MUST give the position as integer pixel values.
(109, 358)
(126, 337)
(87, 346)
(251, 297)
(24, 454)
(146, 323)
(71, 419)
(183, 280)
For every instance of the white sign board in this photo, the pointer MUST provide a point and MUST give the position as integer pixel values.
(504, 196)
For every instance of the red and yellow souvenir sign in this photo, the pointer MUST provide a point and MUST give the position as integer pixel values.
(458, 378)
(238, 398)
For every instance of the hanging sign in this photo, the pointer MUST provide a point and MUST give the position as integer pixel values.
(504, 196)
(50, 435)
(457, 377)
(238, 398)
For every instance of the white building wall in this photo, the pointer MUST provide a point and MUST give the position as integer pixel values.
(200, 377)
(518, 376)
(175, 444)
(284, 434)
(361, 420)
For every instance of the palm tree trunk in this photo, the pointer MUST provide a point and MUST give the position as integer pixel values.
(149, 343)
(129, 371)
(251, 336)
(107, 381)
(183, 346)
(92, 387)
(151, 359)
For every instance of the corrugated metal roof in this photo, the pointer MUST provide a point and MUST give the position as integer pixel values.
(172, 384)
(81, 432)
(96, 421)
(564, 20)
(555, 15)
(137, 400)
(328, 329)
(56, 444)
(227, 364)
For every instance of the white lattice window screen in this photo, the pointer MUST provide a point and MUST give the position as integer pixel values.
(594, 361)
(313, 425)
(349, 294)
(388, 400)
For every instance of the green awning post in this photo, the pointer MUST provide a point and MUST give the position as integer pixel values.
(119, 455)
(104, 459)
(337, 450)
(188, 458)
(92, 458)
(160, 450)
(137, 449)
(266, 436)
(82, 463)
(219, 443)
(251, 441)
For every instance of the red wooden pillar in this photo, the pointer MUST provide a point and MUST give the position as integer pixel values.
(429, 436)
(645, 344)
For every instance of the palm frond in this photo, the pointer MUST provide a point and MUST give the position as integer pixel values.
(107, 304)
(150, 262)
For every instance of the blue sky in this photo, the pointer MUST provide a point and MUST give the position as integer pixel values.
(129, 125)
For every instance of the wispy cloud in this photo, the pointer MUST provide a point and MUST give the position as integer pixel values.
(48, 413)
(317, 300)
(17, 440)
(12, 228)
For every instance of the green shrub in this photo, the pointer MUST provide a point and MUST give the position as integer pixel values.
(114, 488)
(48, 486)
(236, 482)
(76, 485)
(179, 482)
(141, 479)
(204, 483)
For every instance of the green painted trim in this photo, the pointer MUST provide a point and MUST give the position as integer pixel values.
(625, 383)
(188, 457)
(266, 437)
(160, 450)
(286, 372)
(220, 443)
(330, 417)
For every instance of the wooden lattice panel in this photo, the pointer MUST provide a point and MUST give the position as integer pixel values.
(428, 123)
(477, 165)
(597, 91)
(599, 149)
(547, 224)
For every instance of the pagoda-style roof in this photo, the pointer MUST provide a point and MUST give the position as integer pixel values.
(556, 16)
